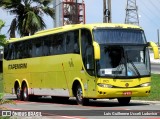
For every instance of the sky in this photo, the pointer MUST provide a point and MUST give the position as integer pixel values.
(148, 10)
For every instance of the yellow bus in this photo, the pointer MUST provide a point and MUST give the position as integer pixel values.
(86, 61)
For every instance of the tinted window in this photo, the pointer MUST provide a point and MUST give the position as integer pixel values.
(72, 42)
(87, 51)
(36, 47)
(61, 43)
(108, 36)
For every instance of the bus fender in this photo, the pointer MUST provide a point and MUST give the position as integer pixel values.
(15, 84)
(78, 81)
(19, 83)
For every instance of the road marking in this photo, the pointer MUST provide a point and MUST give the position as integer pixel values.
(69, 117)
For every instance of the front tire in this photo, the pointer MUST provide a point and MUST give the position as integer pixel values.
(79, 96)
(124, 100)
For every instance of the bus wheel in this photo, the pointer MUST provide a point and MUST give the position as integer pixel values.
(124, 100)
(79, 96)
(25, 95)
(18, 93)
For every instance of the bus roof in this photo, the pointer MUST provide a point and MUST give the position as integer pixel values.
(76, 26)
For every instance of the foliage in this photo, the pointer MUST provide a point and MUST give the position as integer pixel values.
(2, 37)
(28, 15)
(2, 100)
(1, 83)
(1, 96)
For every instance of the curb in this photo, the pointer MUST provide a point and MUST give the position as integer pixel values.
(133, 101)
(146, 101)
(155, 63)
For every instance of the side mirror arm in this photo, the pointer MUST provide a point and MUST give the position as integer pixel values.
(97, 54)
(155, 49)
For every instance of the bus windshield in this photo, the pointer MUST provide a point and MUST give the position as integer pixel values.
(123, 53)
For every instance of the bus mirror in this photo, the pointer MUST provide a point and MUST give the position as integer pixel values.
(155, 50)
(96, 50)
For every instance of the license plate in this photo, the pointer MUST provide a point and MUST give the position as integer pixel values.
(127, 93)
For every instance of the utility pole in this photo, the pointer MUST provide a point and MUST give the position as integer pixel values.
(104, 11)
(77, 14)
(107, 11)
(132, 13)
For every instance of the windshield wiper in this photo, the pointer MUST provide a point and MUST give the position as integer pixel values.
(131, 62)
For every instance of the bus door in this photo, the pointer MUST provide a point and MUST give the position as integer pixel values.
(87, 52)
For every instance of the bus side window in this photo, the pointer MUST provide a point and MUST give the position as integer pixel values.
(6, 49)
(8, 52)
(30, 49)
(69, 42)
(52, 45)
(37, 47)
(46, 45)
(33, 49)
(76, 42)
(19, 50)
(85, 40)
(87, 51)
(12, 51)
(27, 48)
(72, 42)
(61, 44)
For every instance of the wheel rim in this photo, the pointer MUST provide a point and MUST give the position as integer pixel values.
(18, 93)
(79, 94)
(25, 93)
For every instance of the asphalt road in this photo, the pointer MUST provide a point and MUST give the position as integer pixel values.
(155, 68)
(68, 109)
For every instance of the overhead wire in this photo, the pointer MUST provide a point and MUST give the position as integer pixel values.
(158, 1)
(157, 8)
(148, 17)
(149, 9)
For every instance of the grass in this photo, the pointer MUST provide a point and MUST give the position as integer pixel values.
(1, 83)
(2, 100)
(154, 95)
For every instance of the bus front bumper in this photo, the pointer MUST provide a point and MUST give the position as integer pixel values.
(123, 92)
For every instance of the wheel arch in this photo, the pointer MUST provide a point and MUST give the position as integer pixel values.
(16, 84)
(25, 82)
(76, 82)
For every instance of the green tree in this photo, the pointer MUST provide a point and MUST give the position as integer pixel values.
(28, 15)
(2, 37)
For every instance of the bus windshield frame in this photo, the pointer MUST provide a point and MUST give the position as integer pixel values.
(124, 53)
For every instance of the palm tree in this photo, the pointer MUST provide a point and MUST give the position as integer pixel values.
(28, 15)
(2, 37)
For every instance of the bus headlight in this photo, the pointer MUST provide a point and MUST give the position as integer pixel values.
(104, 85)
(145, 84)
